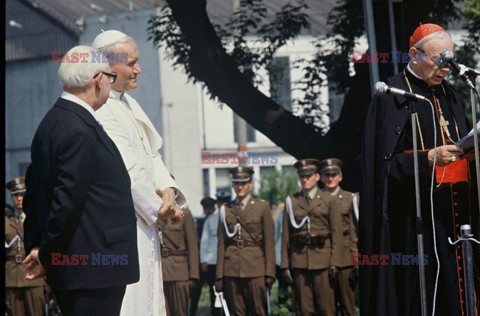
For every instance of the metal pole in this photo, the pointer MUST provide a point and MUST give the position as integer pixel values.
(372, 42)
(421, 267)
(393, 36)
(468, 276)
(240, 124)
(475, 141)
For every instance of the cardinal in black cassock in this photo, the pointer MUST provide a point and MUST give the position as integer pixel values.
(388, 212)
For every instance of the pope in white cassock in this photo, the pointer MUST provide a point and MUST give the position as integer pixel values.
(154, 192)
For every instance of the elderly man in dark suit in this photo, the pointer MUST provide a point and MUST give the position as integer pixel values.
(80, 228)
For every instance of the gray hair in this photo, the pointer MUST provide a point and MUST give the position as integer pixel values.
(85, 63)
(434, 36)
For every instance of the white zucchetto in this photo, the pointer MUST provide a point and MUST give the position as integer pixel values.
(107, 37)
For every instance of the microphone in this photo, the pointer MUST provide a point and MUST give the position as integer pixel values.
(383, 88)
(446, 58)
(468, 71)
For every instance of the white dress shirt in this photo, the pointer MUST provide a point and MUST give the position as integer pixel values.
(209, 239)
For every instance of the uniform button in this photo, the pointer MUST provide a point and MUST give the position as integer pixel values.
(455, 193)
(388, 156)
(456, 214)
(398, 130)
(456, 225)
(455, 203)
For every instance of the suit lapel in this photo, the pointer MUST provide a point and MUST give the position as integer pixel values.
(90, 121)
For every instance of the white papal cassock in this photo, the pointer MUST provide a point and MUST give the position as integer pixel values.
(138, 142)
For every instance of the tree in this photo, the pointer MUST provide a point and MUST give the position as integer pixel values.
(195, 44)
(276, 186)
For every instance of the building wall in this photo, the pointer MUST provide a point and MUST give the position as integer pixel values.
(31, 84)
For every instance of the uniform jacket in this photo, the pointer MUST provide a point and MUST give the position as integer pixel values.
(350, 239)
(247, 262)
(78, 200)
(15, 272)
(325, 222)
(184, 267)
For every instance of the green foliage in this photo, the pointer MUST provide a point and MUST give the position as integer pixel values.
(468, 53)
(276, 186)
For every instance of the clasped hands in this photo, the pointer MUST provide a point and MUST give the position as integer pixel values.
(169, 210)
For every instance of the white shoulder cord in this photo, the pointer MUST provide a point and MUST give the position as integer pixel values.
(306, 219)
(10, 244)
(237, 230)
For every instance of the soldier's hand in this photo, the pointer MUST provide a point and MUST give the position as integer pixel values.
(269, 282)
(287, 276)
(167, 209)
(192, 283)
(219, 285)
(33, 265)
(178, 217)
(332, 272)
(204, 267)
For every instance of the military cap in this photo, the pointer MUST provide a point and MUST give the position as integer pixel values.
(306, 166)
(241, 174)
(16, 185)
(223, 196)
(331, 164)
(208, 202)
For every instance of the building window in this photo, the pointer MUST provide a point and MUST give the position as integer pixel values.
(280, 85)
(222, 180)
(250, 131)
(206, 182)
(22, 169)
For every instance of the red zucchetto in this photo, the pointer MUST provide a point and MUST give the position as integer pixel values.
(424, 30)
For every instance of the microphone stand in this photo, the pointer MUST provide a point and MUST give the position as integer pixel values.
(470, 80)
(419, 220)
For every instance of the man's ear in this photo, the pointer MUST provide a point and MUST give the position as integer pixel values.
(413, 54)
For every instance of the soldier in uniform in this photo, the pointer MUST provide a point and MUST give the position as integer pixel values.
(179, 263)
(23, 297)
(246, 249)
(311, 243)
(331, 176)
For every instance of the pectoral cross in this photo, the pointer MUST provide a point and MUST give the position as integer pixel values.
(444, 124)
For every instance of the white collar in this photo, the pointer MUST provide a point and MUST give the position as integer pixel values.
(409, 68)
(70, 97)
(116, 94)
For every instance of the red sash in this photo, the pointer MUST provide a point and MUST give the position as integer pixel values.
(455, 172)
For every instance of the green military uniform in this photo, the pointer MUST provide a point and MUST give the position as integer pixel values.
(246, 251)
(22, 296)
(345, 294)
(346, 281)
(179, 263)
(314, 248)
